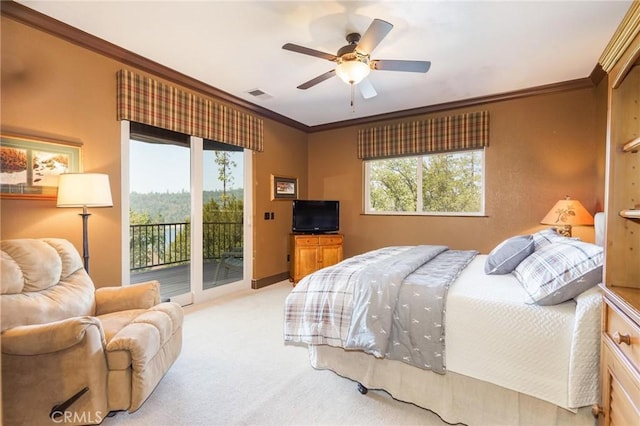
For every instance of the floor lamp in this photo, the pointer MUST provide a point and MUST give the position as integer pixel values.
(84, 190)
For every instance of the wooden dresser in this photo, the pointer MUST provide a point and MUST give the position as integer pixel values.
(620, 354)
(620, 358)
(312, 252)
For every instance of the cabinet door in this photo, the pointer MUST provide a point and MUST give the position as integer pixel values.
(620, 391)
(306, 261)
(330, 255)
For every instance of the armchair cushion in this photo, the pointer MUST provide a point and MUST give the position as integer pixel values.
(69, 298)
(113, 322)
(137, 296)
(47, 338)
(139, 341)
(11, 278)
(41, 265)
(173, 311)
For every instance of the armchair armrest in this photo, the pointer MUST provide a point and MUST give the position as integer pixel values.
(137, 296)
(47, 338)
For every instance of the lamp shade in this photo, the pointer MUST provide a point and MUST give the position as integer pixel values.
(353, 71)
(568, 212)
(84, 190)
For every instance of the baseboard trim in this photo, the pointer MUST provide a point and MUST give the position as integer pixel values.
(266, 281)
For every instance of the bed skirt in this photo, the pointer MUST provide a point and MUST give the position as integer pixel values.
(454, 397)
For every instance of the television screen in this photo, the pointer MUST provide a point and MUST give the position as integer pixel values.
(316, 216)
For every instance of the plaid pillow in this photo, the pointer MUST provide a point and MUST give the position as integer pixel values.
(560, 271)
(546, 237)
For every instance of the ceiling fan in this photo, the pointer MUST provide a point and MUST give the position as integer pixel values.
(354, 61)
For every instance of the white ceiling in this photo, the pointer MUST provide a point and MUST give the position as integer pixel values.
(476, 48)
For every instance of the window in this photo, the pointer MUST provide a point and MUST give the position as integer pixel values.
(449, 183)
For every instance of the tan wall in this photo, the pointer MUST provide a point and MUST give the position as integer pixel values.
(541, 149)
(52, 88)
(285, 154)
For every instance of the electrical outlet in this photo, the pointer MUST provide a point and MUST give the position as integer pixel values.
(266, 215)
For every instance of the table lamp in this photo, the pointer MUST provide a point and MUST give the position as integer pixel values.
(567, 213)
(84, 190)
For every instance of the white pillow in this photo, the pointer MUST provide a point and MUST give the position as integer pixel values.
(504, 258)
(560, 271)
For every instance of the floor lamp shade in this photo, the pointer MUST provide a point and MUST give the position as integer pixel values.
(84, 190)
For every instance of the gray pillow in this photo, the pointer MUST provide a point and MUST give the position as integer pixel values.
(508, 254)
(560, 271)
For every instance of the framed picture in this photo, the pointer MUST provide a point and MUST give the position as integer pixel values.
(283, 188)
(29, 167)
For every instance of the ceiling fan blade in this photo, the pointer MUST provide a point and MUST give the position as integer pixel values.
(366, 89)
(319, 79)
(397, 65)
(373, 36)
(311, 52)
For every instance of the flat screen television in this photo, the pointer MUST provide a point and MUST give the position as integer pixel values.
(316, 216)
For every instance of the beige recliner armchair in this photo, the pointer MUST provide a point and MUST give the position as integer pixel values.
(72, 353)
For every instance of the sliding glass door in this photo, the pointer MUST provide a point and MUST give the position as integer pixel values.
(222, 214)
(186, 213)
(159, 215)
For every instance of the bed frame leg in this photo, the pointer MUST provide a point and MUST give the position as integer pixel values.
(362, 389)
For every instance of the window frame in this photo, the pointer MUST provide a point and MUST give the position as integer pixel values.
(419, 204)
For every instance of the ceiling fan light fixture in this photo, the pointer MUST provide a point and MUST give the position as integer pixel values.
(353, 71)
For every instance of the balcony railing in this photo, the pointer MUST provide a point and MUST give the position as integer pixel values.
(161, 244)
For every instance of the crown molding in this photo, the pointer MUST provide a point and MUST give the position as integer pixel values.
(39, 21)
(582, 83)
(628, 29)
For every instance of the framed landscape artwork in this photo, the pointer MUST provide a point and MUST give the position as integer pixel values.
(283, 188)
(29, 167)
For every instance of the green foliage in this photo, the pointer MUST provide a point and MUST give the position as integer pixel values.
(222, 231)
(172, 207)
(450, 182)
(225, 168)
(159, 244)
(143, 240)
(393, 185)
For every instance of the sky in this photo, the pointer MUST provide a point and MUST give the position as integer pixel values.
(165, 168)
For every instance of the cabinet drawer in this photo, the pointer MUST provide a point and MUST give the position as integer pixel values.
(307, 241)
(625, 334)
(331, 241)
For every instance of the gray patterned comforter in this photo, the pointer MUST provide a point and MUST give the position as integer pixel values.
(388, 302)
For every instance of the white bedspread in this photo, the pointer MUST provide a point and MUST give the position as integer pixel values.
(495, 336)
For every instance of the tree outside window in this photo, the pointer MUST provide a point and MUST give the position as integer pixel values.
(447, 183)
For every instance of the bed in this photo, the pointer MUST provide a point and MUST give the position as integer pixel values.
(509, 350)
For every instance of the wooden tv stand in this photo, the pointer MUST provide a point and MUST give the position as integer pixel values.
(311, 252)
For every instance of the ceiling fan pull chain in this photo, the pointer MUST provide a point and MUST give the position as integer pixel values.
(353, 106)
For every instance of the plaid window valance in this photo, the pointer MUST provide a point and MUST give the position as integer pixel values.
(453, 133)
(145, 100)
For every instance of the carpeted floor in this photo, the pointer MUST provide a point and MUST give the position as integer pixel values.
(235, 369)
